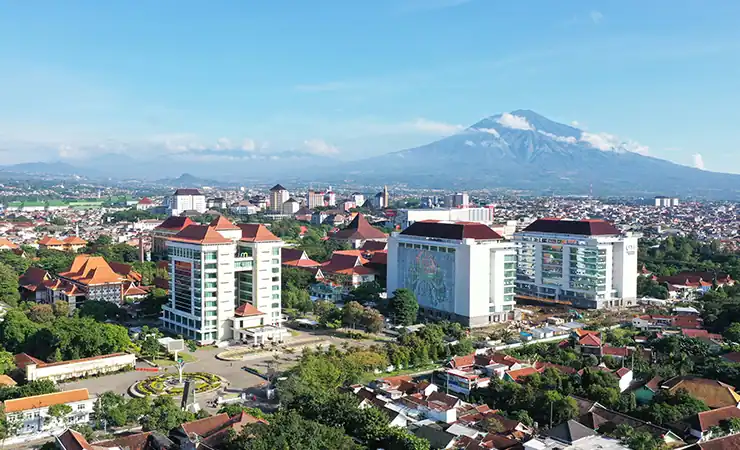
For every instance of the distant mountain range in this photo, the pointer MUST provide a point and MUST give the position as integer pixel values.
(523, 150)
(520, 150)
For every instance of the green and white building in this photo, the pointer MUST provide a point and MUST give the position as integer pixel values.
(224, 283)
(589, 263)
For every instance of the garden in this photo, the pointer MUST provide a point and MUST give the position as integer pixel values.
(169, 384)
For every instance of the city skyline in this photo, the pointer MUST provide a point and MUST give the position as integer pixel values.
(347, 81)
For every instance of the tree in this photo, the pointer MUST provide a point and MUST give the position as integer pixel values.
(192, 346)
(150, 346)
(9, 285)
(60, 412)
(41, 313)
(61, 308)
(7, 362)
(372, 320)
(732, 333)
(288, 431)
(235, 409)
(297, 278)
(404, 307)
(366, 293)
(352, 314)
(164, 415)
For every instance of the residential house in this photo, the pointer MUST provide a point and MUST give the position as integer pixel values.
(51, 243)
(72, 440)
(5, 244)
(244, 207)
(703, 423)
(572, 435)
(33, 417)
(74, 243)
(715, 394)
(358, 232)
(435, 435)
(645, 393)
(210, 432)
(145, 204)
(293, 257)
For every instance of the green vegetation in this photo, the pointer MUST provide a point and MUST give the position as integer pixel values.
(404, 307)
(679, 254)
(160, 384)
(61, 338)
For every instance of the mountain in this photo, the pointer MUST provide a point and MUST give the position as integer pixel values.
(525, 151)
(43, 168)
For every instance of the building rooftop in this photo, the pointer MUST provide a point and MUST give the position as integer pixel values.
(256, 232)
(175, 223)
(200, 234)
(359, 229)
(591, 227)
(277, 187)
(46, 400)
(91, 271)
(187, 192)
(451, 230)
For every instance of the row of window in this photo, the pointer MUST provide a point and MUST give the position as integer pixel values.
(431, 248)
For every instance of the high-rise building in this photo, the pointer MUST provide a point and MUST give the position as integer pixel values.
(358, 198)
(458, 200)
(314, 199)
(278, 196)
(666, 202)
(458, 270)
(330, 198)
(589, 263)
(186, 200)
(291, 206)
(224, 283)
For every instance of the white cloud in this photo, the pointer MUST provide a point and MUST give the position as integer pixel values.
(470, 143)
(609, 142)
(320, 147)
(698, 161)
(431, 126)
(489, 131)
(223, 144)
(574, 123)
(596, 16)
(249, 145)
(514, 122)
(566, 139)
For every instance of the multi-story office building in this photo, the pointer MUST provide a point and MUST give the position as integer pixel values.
(458, 270)
(330, 198)
(358, 198)
(666, 202)
(278, 196)
(589, 263)
(186, 200)
(224, 283)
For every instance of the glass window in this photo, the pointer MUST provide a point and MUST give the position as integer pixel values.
(276, 251)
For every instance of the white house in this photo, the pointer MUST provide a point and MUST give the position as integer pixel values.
(63, 370)
(31, 417)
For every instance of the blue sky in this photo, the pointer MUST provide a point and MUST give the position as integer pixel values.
(354, 78)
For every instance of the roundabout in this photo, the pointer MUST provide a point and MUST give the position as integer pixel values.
(173, 385)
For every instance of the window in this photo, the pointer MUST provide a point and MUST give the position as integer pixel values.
(276, 288)
(211, 313)
(275, 279)
(81, 407)
(276, 296)
(276, 270)
(276, 305)
(275, 261)
(276, 251)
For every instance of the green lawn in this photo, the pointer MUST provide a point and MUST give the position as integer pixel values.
(187, 357)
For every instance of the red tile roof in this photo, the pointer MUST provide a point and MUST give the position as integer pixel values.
(246, 310)
(74, 240)
(4, 242)
(463, 361)
(50, 241)
(72, 440)
(708, 419)
(91, 271)
(590, 340)
(359, 229)
(175, 223)
(521, 373)
(146, 201)
(222, 223)
(45, 400)
(256, 232)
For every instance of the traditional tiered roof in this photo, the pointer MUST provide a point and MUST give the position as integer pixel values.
(256, 232)
(359, 229)
(91, 271)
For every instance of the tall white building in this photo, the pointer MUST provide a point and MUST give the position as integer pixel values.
(406, 217)
(186, 200)
(278, 196)
(358, 198)
(224, 283)
(458, 271)
(590, 263)
(314, 199)
(666, 202)
(330, 198)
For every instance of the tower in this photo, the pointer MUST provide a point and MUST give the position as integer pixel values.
(385, 197)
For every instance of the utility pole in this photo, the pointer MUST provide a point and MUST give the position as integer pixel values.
(551, 403)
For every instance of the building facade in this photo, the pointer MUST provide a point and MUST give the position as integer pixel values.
(458, 200)
(278, 196)
(33, 420)
(314, 199)
(214, 270)
(458, 271)
(589, 263)
(186, 200)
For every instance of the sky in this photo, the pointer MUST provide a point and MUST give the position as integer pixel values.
(349, 79)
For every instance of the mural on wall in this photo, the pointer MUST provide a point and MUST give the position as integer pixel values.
(430, 274)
